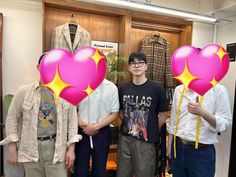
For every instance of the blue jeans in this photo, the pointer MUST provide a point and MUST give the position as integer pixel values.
(191, 162)
(99, 153)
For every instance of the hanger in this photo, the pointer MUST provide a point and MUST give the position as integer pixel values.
(72, 20)
(72, 24)
(155, 33)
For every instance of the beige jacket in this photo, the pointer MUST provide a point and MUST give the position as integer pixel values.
(61, 38)
(22, 120)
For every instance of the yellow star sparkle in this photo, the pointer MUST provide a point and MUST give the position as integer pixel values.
(186, 77)
(97, 57)
(57, 85)
(88, 90)
(221, 53)
(213, 82)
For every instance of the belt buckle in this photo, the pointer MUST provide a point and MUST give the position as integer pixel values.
(41, 138)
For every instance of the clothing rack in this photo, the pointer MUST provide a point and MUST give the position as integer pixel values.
(138, 24)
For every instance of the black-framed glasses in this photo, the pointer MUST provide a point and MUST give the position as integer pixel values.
(135, 64)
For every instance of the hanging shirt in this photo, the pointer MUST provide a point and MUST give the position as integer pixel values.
(158, 53)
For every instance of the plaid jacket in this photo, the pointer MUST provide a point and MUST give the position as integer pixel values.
(61, 38)
(158, 53)
(21, 124)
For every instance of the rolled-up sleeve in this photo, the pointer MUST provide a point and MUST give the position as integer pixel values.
(222, 111)
(73, 135)
(13, 117)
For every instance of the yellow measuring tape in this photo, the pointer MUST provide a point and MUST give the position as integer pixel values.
(198, 126)
(177, 122)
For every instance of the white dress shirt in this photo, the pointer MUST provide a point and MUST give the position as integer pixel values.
(215, 101)
(103, 101)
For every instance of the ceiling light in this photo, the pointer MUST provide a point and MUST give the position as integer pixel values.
(153, 9)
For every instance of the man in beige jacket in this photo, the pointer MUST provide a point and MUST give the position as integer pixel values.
(46, 133)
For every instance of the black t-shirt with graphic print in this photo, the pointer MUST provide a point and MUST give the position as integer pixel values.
(140, 105)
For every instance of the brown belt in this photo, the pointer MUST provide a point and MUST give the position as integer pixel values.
(191, 143)
(44, 138)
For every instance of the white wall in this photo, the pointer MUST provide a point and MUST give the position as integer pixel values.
(22, 46)
(202, 34)
(226, 34)
(22, 42)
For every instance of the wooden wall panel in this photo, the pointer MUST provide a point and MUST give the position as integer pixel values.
(186, 36)
(137, 35)
(100, 27)
(114, 25)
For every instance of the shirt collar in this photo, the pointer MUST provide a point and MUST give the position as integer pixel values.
(36, 85)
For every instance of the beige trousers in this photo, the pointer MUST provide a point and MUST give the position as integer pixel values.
(44, 167)
(135, 157)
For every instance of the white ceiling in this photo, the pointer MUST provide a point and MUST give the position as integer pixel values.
(222, 9)
(219, 8)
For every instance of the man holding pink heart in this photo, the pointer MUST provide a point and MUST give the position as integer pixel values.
(194, 125)
(46, 131)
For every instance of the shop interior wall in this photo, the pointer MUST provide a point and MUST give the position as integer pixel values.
(203, 34)
(22, 44)
(110, 24)
(100, 27)
(226, 34)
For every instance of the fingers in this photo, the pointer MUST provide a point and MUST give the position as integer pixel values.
(14, 163)
(67, 160)
(70, 164)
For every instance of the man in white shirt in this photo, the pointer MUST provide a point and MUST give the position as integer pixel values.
(192, 153)
(95, 114)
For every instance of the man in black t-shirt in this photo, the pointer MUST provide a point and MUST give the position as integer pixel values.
(143, 107)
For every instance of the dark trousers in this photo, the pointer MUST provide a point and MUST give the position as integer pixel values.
(99, 153)
(191, 162)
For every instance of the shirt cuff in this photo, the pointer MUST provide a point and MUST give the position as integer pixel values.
(213, 129)
(74, 139)
(9, 139)
(170, 130)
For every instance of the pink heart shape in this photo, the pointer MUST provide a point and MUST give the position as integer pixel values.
(206, 65)
(78, 69)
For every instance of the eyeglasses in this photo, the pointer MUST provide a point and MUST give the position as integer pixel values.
(139, 64)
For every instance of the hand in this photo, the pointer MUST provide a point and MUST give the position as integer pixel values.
(195, 108)
(82, 123)
(12, 156)
(90, 129)
(70, 158)
(169, 152)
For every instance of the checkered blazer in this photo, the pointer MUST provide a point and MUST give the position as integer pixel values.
(61, 38)
(158, 53)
